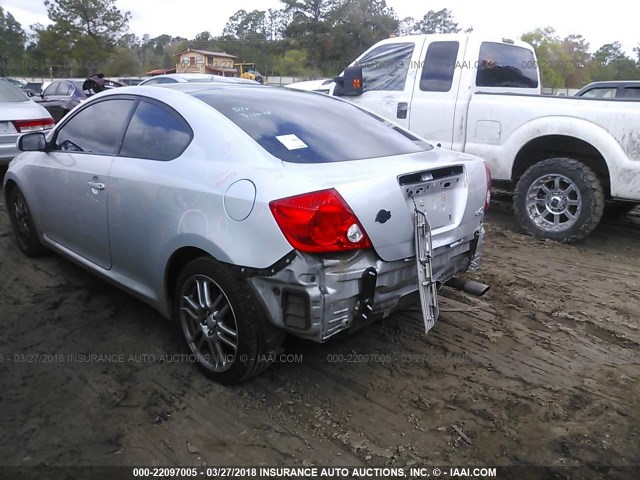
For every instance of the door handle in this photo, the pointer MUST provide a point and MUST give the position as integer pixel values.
(403, 108)
(96, 185)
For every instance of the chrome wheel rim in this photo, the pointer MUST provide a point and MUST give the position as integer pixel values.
(554, 202)
(21, 215)
(208, 323)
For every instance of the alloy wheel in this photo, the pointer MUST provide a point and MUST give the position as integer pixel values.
(554, 202)
(209, 323)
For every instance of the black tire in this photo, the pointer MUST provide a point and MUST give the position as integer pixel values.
(615, 209)
(210, 323)
(24, 230)
(545, 209)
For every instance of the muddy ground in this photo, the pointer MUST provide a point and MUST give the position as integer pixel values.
(544, 370)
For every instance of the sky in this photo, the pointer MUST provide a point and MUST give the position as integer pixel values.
(615, 20)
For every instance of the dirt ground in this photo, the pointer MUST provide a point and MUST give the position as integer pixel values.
(543, 370)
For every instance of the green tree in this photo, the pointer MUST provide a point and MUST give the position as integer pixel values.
(12, 39)
(611, 63)
(293, 63)
(355, 25)
(576, 72)
(308, 24)
(407, 26)
(437, 22)
(99, 19)
(123, 62)
(47, 52)
(277, 21)
(202, 40)
(247, 26)
(552, 58)
(92, 27)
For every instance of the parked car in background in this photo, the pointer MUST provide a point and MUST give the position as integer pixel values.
(18, 114)
(245, 212)
(16, 83)
(193, 77)
(615, 90)
(61, 96)
(33, 88)
(319, 86)
(130, 82)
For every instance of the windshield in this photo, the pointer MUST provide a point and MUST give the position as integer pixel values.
(305, 127)
(9, 93)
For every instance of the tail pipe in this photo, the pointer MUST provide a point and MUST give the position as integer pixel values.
(471, 287)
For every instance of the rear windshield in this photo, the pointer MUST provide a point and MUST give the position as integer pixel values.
(503, 65)
(305, 127)
(9, 93)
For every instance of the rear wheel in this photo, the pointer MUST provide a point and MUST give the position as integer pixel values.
(560, 199)
(224, 326)
(24, 230)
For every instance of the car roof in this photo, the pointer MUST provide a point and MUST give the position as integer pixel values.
(613, 83)
(205, 77)
(192, 87)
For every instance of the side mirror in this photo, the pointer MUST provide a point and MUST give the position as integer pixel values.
(29, 93)
(352, 83)
(32, 142)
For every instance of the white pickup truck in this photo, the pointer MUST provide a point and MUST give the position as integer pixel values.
(563, 157)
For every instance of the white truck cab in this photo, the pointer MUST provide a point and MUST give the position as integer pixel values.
(564, 157)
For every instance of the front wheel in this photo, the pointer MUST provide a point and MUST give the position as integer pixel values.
(224, 326)
(560, 199)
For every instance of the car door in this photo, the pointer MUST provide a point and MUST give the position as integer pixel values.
(629, 93)
(142, 205)
(72, 185)
(388, 72)
(435, 92)
(51, 101)
(65, 101)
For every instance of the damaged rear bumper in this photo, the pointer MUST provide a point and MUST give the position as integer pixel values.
(317, 296)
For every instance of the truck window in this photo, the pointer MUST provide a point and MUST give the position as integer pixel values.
(501, 65)
(602, 92)
(386, 67)
(438, 68)
(631, 92)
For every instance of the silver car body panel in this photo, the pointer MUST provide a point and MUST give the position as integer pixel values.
(215, 197)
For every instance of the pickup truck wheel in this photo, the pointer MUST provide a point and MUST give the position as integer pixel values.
(24, 230)
(560, 199)
(224, 326)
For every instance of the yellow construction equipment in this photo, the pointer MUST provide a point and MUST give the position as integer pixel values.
(248, 70)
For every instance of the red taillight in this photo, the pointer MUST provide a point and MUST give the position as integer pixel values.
(23, 126)
(319, 222)
(487, 199)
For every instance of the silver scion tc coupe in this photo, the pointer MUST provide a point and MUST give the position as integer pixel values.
(247, 212)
